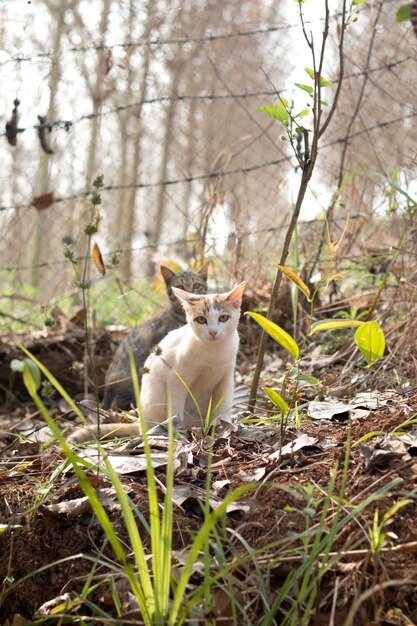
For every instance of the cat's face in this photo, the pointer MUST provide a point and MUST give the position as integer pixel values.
(212, 317)
(192, 282)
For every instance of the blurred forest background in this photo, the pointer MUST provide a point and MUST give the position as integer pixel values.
(161, 97)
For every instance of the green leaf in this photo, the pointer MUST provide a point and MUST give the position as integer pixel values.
(296, 280)
(324, 103)
(395, 507)
(356, 2)
(31, 372)
(28, 378)
(392, 183)
(307, 381)
(404, 13)
(370, 340)
(277, 333)
(276, 399)
(16, 365)
(301, 129)
(323, 81)
(306, 88)
(332, 324)
(303, 113)
(277, 111)
(391, 198)
(374, 433)
(389, 181)
(4, 527)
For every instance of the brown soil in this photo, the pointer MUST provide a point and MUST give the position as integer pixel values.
(384, 588)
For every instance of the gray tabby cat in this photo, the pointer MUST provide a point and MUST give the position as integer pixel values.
(141, 340)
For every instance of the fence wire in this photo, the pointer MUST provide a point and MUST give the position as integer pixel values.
(164, 104)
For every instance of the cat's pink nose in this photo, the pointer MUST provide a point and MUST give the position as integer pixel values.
(213, 333)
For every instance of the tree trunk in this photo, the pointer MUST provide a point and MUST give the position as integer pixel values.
(155, 226)
(97, 96)
(184, 250)
(127, 211)
(41, 241)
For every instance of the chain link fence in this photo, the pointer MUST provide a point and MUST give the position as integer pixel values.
(162, 99)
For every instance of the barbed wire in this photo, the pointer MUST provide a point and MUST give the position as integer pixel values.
(181, 241)
(216, 173)
(156, 41)
(68, 124)
(185, 181)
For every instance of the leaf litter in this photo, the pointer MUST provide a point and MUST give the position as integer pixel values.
(44, 515)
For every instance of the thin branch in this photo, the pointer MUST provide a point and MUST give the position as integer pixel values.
(307, 173)
(341, 74)
(360, 96)
(369, 593)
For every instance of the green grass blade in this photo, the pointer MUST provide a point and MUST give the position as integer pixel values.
(55, 383)
(143, 592)
(193, 398)
(154, 518)
(198, 543)
(167, 524)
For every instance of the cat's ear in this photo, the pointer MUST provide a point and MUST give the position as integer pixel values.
(167, 274)
(235, 295)
(203, 271)
(185, 297)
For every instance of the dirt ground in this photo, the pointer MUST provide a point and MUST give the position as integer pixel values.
(45, 525)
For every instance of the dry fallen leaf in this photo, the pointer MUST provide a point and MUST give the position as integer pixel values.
(222, 604)
(189, 492)
(383, 452)
(69, 508)
(98, 259)
(347, 568)
(60, 602)
(302, 441)
(43, 202)
(397, 617)
(251, 476)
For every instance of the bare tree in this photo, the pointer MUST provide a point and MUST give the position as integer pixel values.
(42, 180)
(127, 217)
(96, 84)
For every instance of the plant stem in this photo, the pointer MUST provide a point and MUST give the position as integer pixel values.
(307, 171)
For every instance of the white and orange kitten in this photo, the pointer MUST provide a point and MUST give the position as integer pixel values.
(203, 353)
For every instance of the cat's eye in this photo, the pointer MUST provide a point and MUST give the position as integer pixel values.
(197, 288)
(224, 318)
(180, 287)
(201, 319)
